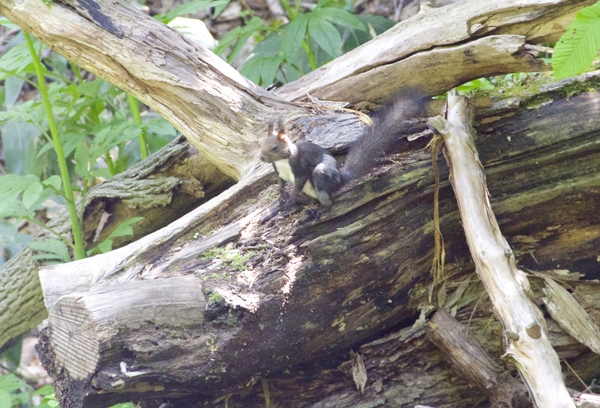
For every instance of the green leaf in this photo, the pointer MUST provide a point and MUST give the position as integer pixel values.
(340, 17)
(82, 161)
(240, 43)
(230, 38)
(12, 88)
(252, 69)
(91, 89)
(269, 69)
(269, 47)
(293, 35)
(31, 195)
(12, 356)
(71, 140)
(219, 7)
(330, 3)
(192, 7)
(576, 49)
(476, 84)
(19, 145)
(105, 173)
(11, 383)
(15, 61)
(52, 250)
(326, 36)
(72, 90)
(51, 401)
(104, 246)
(5, 399)
(376, 24)
(161, 127)
(7, 23)
(11, 242)
(125, 228)
(124, 405)
(11, 187)
(155, 142)
(45, 390)
(53, 182)
(239, 36)
(107, 136)
(122, 230)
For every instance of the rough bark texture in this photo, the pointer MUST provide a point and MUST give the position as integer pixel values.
(437, 44)
(291, 296)
(223, 115)
(506, 285)
(313, 291)
(469, 360)
(161, 189)
(217, 109)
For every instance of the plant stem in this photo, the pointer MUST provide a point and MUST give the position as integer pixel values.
(110, 164)
(311, 55)
(137, 118)
(77, 72)
(60, 153)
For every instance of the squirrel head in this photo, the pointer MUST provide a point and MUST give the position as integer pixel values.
(275, 146)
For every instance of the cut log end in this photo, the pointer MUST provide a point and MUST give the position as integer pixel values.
(85, 326)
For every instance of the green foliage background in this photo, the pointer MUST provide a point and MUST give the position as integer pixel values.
(103, 131)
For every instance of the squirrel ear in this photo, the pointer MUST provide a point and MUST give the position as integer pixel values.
(271, 129)
(281, 133)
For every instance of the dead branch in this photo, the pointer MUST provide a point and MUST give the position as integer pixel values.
(524, 328)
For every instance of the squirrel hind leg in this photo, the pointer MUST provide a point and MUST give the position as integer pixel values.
(326, 176)
(324, 199)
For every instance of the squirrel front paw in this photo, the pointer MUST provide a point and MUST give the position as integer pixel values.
(288, 204)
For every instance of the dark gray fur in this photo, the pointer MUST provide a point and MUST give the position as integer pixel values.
(315, 171)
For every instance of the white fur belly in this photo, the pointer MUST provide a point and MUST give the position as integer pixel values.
(285, 172)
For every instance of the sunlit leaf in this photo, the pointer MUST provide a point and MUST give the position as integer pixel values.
(576, 49)
(326, 36)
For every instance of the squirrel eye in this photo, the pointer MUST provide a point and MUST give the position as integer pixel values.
(274, 148)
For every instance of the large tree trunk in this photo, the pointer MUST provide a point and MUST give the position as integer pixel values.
(312, 290)
(193, 89)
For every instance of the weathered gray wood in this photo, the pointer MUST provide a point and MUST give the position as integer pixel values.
(221, 113)
(218, 110)
(171, 183)
(472, 363)
(571, 316)
(507, 286)
(313, 291)
(85, 325)
(445, 45)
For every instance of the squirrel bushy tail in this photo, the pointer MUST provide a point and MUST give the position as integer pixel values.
(379, 139)
(315, 172)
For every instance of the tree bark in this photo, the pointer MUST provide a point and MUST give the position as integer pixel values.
(177, 178)
(470, 360)
(293, 305)
(313, 290)
(507, 286)
(222, 114)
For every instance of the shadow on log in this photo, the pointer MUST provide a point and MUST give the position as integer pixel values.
(294, 298)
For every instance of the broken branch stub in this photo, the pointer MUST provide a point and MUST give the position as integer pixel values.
(469, 359)
(524, 330)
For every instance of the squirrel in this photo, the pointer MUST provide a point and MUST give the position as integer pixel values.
(314, 171)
